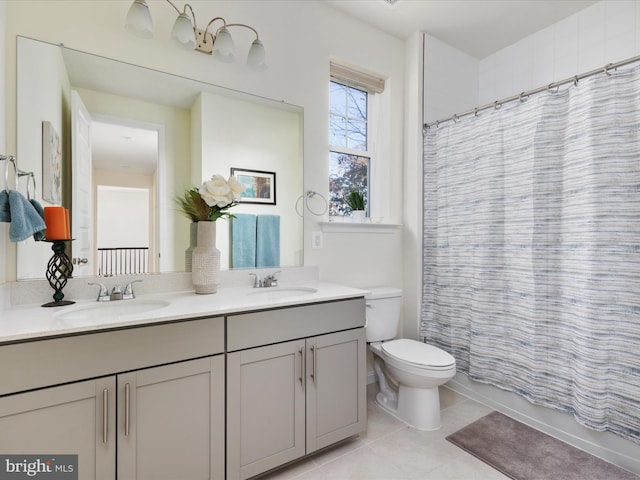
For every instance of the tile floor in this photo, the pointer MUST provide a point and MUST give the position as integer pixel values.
(390, 450)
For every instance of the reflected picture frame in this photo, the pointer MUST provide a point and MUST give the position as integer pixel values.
(51, 164)
(259, 185)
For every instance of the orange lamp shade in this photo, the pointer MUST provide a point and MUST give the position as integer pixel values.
(56, 223)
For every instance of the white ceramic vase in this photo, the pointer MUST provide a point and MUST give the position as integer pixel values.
(205, 260)
(193, 242)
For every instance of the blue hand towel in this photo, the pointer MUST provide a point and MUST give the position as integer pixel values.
(243, 241)
(268, 241)
(25, 220)
(5, 212)
(40, 234)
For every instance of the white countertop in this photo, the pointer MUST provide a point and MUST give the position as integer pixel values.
(32, 322)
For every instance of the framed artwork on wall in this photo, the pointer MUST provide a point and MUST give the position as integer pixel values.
(259, 186)
(51, 164)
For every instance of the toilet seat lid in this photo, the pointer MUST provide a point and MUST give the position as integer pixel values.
(418, 354)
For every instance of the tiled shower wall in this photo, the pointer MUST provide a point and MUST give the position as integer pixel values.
(606, 32)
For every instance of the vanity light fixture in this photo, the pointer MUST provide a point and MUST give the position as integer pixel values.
(187, 35)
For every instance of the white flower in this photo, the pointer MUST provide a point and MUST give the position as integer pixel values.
(217, 192)
(236, 187)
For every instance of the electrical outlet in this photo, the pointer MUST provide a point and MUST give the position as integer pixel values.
(316, 239)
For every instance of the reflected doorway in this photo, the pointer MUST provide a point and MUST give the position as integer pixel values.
(125, 159)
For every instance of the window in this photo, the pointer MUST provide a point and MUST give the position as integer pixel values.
(349, 160)
(350, 155)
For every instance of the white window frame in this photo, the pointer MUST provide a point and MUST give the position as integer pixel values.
(373, 85)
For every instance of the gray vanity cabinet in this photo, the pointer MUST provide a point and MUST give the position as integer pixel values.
(265, 408)
(171, 421)
(76, 419)
(155, 409)
(291, 398)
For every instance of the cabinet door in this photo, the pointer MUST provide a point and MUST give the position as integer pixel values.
(171, 421)
(336, 387)
(76, 419)
(265, 408)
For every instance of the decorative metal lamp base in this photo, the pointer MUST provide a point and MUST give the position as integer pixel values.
(59, 269)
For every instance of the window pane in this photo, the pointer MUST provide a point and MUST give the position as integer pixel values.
(357, 104)
(348, 117)
(357, 135)
(346, 173)
(337, 131)
(338, 99)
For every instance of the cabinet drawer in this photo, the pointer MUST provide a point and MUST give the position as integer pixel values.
(262, 328)
(29, 365)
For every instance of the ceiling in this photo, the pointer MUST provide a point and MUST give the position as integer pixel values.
(478, 28)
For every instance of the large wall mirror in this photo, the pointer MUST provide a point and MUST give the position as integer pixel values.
(130, 139)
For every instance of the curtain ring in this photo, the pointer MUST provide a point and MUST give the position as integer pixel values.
(575, 81)
(551, 86)
(523, 97)
(497, 105)
(10, 159)
(437, 123)
(607, 67)
(455, 118)
(475, 112)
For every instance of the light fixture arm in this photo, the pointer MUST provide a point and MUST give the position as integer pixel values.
(224, 24)
(243, 25)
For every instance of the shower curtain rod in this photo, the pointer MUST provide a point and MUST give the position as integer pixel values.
(523, 96)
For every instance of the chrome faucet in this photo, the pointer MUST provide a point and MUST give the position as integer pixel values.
(116, 292)
(271, 280)
(268, 281)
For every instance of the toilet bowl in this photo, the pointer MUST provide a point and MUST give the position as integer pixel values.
(409, 372)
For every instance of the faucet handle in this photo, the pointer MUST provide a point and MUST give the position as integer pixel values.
(257, 282)
(128, 290)
(103, 294)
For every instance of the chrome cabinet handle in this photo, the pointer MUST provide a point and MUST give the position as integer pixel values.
(314, 371)
(127, 404)
(105, 416)
(302, 374)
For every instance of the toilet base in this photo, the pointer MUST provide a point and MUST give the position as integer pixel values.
(417, 407)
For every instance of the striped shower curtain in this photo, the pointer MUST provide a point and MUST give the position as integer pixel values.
(531, 275)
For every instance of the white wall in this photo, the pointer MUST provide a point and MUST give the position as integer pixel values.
(274, 145)
(299, 37)
(608, 31)
(47, 92)
(4, 227)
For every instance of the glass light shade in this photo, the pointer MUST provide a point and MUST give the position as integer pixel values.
(256, 58)
(223, 48)
(182, 33)
(139, 19)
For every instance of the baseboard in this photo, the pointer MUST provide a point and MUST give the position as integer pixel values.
(612, 448)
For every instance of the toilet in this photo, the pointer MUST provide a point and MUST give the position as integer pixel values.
(409, 372)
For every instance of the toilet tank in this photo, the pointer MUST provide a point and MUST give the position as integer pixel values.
(383, 313)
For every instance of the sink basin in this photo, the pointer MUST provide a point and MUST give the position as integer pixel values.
(100, 311)
(274, 293)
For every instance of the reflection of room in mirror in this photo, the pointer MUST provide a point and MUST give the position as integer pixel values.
(201, 128)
